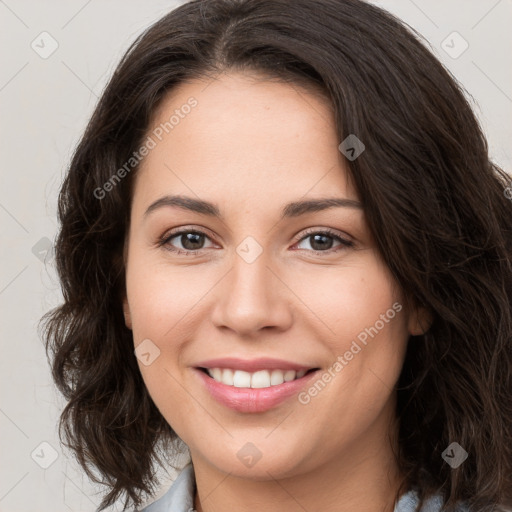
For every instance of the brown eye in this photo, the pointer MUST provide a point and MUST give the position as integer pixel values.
(322, 241)
(185, 241)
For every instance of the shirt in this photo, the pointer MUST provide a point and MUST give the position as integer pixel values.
(180, 497)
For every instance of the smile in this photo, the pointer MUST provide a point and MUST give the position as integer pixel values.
(252, 386)
(259, 379)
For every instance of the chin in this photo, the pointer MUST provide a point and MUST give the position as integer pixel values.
(259, 464)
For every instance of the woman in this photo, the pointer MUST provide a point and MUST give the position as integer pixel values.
(284, 244)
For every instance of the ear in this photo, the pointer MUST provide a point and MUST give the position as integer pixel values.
(127, 314)
(420, 321)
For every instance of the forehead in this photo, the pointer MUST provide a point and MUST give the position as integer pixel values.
(246, 138)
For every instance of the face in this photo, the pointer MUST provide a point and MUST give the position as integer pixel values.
(251, 286)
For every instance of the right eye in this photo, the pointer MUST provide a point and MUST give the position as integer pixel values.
(191, 241)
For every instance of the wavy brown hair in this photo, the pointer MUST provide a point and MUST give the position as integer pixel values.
(434, 202)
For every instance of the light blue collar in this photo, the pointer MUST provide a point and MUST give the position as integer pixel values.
(180, 497)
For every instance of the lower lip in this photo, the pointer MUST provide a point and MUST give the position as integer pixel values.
(253, 399)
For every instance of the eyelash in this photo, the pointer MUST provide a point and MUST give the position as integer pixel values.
(164, 241)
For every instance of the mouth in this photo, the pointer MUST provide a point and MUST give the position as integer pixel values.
(260, 379)
(260, 386)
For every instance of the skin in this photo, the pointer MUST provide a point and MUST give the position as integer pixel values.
(250, 146)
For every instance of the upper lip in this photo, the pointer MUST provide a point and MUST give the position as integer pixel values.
(253, 365)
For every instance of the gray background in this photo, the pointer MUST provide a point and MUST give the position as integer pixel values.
(45, 103)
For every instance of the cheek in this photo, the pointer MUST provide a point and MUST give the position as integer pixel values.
(351, 298)
(364, 327)
(166, 307)
(161, 300)
(161, 297)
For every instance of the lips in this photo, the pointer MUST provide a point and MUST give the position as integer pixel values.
(253, 386)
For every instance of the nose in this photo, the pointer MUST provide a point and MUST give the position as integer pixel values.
(252, 297)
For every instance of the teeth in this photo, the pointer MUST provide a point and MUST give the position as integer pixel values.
(241, 379)
(259, 379)
(276, 377)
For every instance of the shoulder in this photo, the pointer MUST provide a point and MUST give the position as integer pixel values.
(179, 497)
(409, 501)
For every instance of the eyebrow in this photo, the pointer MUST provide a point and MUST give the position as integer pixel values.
(293, 209)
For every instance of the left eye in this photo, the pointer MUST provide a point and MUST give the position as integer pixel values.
(192, 241)
(322, 241)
